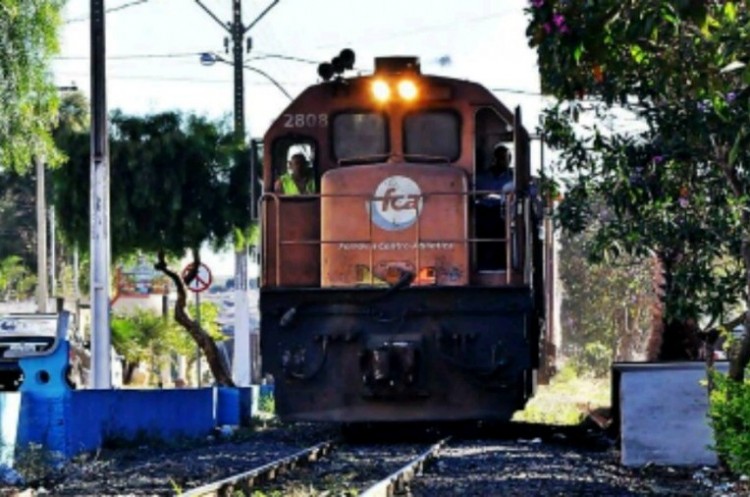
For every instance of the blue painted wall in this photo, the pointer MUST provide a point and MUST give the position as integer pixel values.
(47, 411)
(83, 420)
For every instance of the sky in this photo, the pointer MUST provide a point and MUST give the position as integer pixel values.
(153, 49)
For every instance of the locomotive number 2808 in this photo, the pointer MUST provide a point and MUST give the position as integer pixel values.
(305, 120)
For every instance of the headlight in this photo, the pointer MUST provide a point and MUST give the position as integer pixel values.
(407, 89)
(381, 91)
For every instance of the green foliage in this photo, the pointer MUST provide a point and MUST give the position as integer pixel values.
(18, 216)
(179, 182)
(144, 335)
(139, 336)
(28, 98)
(15, 279)
(564, 400)
(266, 403)
(179, 341)
(729, 411)
(674, 181)
(605, 313)
(594, 359)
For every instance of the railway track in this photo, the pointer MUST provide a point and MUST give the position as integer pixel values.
(372, 470)
(244, 482)
(517, 460)
(397, 481)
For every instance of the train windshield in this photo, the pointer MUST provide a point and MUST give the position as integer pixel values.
(432, 135)
(360, 137)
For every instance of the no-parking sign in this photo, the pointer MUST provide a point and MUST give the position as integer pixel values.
(201, 281)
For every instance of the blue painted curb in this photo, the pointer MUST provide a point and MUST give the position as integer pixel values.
(47, 411)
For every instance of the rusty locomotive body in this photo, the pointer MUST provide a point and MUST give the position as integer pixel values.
(390, 293)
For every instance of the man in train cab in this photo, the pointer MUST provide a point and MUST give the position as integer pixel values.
(298, 180)
(496, 177)
(494, 182)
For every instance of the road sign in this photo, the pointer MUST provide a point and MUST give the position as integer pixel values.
(201, 281)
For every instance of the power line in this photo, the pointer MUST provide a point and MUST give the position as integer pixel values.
(290, 58)
(518, 92)
(173, 55)
(425, 29)
(185, 79)
(111, 9)
(177, 55)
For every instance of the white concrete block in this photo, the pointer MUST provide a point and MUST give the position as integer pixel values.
(664, 414)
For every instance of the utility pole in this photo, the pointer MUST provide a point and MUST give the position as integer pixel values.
(42, 290)
(238, 33)
(52, 250)
(101, 377)
(241, 363)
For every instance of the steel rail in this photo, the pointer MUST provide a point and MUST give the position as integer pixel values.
(396, 482)
(244, 481)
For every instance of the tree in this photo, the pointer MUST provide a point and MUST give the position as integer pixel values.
(18, 190)
(15, 278)
(146, 337)
(606, 306)
(28, 98)
(677, 187)
(17, 217)
(175, 185)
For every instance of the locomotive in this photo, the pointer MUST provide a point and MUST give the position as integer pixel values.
(382, 296)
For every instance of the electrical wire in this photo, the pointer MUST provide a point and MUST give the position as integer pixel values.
(173, 55)
(111, 9)
(518, 92)
(262, 56)
(179, 55)
(425, 29)
(146, 77)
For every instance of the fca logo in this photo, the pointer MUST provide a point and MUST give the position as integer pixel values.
(398, 202)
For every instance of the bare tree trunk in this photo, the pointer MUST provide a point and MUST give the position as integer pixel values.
(739, 362)
(202, 339)
(671, 339)
(129, 369)
(656, 336)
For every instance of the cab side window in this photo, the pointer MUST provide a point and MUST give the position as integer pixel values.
(491, 130)
(295, 166)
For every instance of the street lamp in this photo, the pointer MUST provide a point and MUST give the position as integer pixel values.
(242, 361)
(209, 58)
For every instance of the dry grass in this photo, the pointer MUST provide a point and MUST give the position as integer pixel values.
(566, 399)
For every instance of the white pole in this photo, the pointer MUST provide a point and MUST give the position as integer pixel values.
(76, 276)
(52, 249)
(199, 382)
(42, 292)
(241, 361)
(101, 377)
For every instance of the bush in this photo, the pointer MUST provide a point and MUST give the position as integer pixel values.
(266, 403)
(729, 411)
(594, 360)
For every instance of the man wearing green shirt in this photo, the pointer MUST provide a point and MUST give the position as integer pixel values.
(298, 179)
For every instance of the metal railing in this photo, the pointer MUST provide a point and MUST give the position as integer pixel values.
(511, 218)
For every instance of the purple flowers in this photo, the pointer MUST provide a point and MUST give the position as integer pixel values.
(684, 203)
(554, 23)
(557, 23)
(731, 97)
(657, 159)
